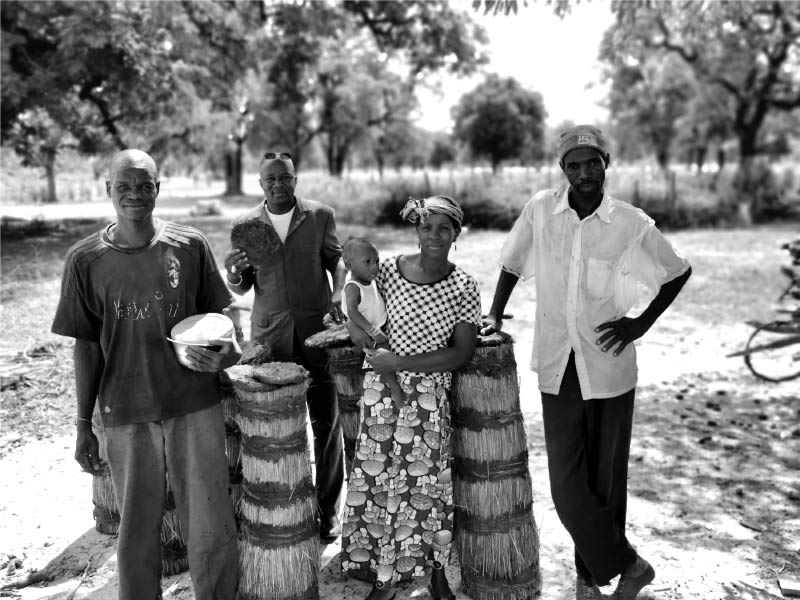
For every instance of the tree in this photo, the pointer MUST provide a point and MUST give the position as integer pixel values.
(442, 152)
(126, 69)
(746, 52)
(344, 71)
(499, 119)
(37, 139)
(647, 97)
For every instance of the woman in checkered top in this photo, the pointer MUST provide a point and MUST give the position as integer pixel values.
(399, 514)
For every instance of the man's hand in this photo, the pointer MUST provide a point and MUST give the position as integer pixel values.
(381, 360)
(622, 331)
(336, 307)
(236, 261)
(212, 359)
(87, 450)
(490, 324)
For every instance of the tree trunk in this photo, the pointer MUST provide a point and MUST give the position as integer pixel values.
(233, 169)
(743, 184)
(50, 172)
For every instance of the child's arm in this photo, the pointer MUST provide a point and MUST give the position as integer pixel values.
(352, 298)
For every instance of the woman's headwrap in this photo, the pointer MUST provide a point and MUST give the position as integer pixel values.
(418, 210)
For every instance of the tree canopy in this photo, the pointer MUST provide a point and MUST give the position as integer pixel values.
(501, 120)
(747, 54)
(164, 76)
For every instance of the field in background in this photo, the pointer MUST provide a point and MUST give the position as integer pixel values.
(490, 200)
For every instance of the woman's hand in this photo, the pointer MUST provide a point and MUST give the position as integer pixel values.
(382, 360)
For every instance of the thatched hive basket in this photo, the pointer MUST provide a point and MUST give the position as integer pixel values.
(496, 535)
(253, 353)
(279, 549)
(345, 363)
(233, 438)
(106, 513)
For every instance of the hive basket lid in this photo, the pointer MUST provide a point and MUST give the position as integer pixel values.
(202, 329)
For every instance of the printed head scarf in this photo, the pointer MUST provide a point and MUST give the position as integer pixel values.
(417, 210)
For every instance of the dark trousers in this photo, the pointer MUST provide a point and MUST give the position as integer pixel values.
(588, 443)
(323, 411)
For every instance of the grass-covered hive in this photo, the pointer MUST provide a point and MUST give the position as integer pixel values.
(279, 548)
(496, 535)
(345, 363)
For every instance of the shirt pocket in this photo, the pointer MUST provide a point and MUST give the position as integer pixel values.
(599, 273)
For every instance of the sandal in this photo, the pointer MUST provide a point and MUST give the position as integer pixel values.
(439, 587)
(379, 586)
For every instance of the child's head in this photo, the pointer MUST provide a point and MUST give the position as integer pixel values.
(361, 259)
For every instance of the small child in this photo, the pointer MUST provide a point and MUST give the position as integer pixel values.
(363, 304)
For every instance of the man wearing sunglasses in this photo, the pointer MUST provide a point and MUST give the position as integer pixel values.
(292, 295)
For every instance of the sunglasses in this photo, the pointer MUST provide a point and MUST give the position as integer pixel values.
(281, 155)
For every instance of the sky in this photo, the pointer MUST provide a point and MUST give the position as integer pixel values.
(555, 57)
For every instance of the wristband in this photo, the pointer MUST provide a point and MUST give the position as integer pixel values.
(231, 281)
(79, 419)
(373, 332)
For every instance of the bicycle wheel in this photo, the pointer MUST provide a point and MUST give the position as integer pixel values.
(773, 355)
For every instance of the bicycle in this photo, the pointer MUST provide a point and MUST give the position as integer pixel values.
(770, 352)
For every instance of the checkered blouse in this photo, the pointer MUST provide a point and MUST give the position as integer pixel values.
(423, 316)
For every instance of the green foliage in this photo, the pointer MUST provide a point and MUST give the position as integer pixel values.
(746, 52)
(769, 196)
(345, 74)
(442, 154)
(500, 120)
(742, 57)
(124, 73)
(647, 97)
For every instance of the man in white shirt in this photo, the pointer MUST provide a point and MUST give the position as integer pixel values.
(589, 253)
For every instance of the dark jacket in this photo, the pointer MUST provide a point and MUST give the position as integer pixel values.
(292, 289)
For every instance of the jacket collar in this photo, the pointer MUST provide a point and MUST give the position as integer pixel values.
(603, 212)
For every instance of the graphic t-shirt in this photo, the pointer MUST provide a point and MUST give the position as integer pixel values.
(128, 300)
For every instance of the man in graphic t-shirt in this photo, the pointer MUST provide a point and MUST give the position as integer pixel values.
(123, 290)
(292, 295)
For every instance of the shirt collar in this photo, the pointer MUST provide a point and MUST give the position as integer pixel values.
(299, 205)
(603, 212)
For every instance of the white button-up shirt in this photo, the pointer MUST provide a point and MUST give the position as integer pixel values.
(587, 272)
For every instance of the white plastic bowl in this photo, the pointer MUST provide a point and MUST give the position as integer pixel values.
(206, 329)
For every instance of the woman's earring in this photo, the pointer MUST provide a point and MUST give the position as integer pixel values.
(419, 245)
(455, 247)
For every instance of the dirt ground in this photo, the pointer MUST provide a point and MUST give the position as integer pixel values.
(714, 487)
(714, 497)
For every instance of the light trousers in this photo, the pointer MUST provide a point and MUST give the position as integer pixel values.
(190, 450)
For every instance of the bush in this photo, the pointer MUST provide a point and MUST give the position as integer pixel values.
(486, 200)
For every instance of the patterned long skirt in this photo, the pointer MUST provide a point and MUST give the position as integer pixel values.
(399, 509)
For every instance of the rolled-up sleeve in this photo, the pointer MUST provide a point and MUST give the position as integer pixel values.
(517, 256)
(655, 261)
